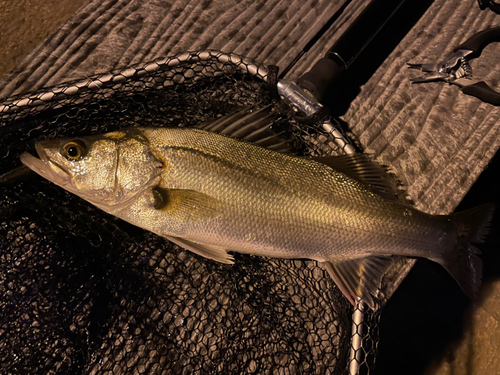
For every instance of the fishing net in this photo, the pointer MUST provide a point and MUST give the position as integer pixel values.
(82, 292)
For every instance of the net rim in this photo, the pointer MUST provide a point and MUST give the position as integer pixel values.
(47, 95)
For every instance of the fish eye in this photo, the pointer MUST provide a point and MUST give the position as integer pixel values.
(73, 150)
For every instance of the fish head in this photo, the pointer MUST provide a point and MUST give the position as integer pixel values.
(105, 170)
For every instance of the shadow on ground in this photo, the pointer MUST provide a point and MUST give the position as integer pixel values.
(428, 314)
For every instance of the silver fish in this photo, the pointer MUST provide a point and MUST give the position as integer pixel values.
(213, 194)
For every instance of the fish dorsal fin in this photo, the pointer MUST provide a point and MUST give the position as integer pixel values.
(362, 169)
(258, 126)
(211, 252)
(359, 278)
(186, 205)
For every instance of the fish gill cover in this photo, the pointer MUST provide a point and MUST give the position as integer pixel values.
(82, 292)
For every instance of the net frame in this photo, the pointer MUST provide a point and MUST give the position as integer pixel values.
(319, 135)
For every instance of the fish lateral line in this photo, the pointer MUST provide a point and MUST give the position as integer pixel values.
(324, 206)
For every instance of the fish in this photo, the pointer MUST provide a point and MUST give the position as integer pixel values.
(214, 194)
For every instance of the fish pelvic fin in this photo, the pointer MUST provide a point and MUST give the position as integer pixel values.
(359, 278)
(463, 262)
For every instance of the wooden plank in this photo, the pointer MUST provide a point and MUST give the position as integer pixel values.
(404, 125)
(437, 139)
(334, 32)
(422, 131)
(107, 35)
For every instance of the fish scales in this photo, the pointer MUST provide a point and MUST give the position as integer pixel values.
(298, 206)
(214, 194)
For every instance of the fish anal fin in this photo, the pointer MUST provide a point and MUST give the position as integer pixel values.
(188, 205)
(362, 169)
(359, 278)
(207, 251)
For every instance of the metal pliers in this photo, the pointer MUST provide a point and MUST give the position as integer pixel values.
(456, 66)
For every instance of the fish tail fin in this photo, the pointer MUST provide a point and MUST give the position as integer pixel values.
(463, 262)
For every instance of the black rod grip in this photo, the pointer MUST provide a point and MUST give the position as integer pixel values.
(322, 76)
(347, 48)
(361, 32)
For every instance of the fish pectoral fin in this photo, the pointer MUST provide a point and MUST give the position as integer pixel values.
(211, 252)
(359, 278)
(186, 205)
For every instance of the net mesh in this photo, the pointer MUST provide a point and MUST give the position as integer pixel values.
(84, 293)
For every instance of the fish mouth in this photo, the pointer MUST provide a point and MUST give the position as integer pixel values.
(45, 167)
